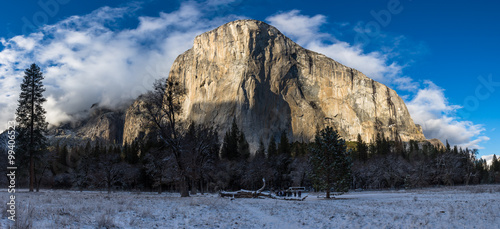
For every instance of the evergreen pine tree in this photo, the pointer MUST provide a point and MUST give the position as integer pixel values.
(243, 147)
(63, 155)
(30, 117)
(378, 144)
(331, 164)
(399, 147)
(282, 162)
(372, 148)
(494, 168)
(261, 151)
(362, 149)
(57, 149)
(230, 145)
(284, 145)
(88, 148)
(96, 150)
(271, 148)
(117, 150)
(130, 154)
(383, 146)
(495, 164)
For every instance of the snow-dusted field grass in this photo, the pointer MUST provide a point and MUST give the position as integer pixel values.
(450, 207)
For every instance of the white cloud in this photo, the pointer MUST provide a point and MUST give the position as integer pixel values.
(306, 31)
(406, 83)
(373, 64)
(86, 61)
(488, 159)
(26, 43)
(301, 28)
(219, 2)
(430, 108)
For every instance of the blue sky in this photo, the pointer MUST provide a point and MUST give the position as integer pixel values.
(441, 57)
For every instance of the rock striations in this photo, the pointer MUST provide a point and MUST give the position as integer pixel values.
(249, 71)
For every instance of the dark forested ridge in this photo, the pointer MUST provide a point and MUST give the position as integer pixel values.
(147, 166)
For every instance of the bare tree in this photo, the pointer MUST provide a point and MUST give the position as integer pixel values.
(163, 106)
(160, 167)
(201, 147)
(111, 170)
(300, 169)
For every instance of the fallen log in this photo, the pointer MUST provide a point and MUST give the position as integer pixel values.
(242, 194)
(258, 194)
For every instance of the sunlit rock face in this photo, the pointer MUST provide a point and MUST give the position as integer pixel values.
(136, 126)
(249, 71)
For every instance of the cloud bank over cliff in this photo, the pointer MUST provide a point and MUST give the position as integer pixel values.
(86, 60)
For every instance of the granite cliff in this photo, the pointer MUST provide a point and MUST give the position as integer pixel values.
(102, 124)
(136, 124)
(250, 71)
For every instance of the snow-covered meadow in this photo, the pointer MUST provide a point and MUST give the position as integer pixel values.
(448, 207)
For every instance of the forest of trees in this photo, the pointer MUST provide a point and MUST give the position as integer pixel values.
(189, 158)
(210, 166)
(396, 164)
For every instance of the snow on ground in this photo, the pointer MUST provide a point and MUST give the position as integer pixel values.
(449, 207)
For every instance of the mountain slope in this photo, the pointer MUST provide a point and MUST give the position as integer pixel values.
(250, 71)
